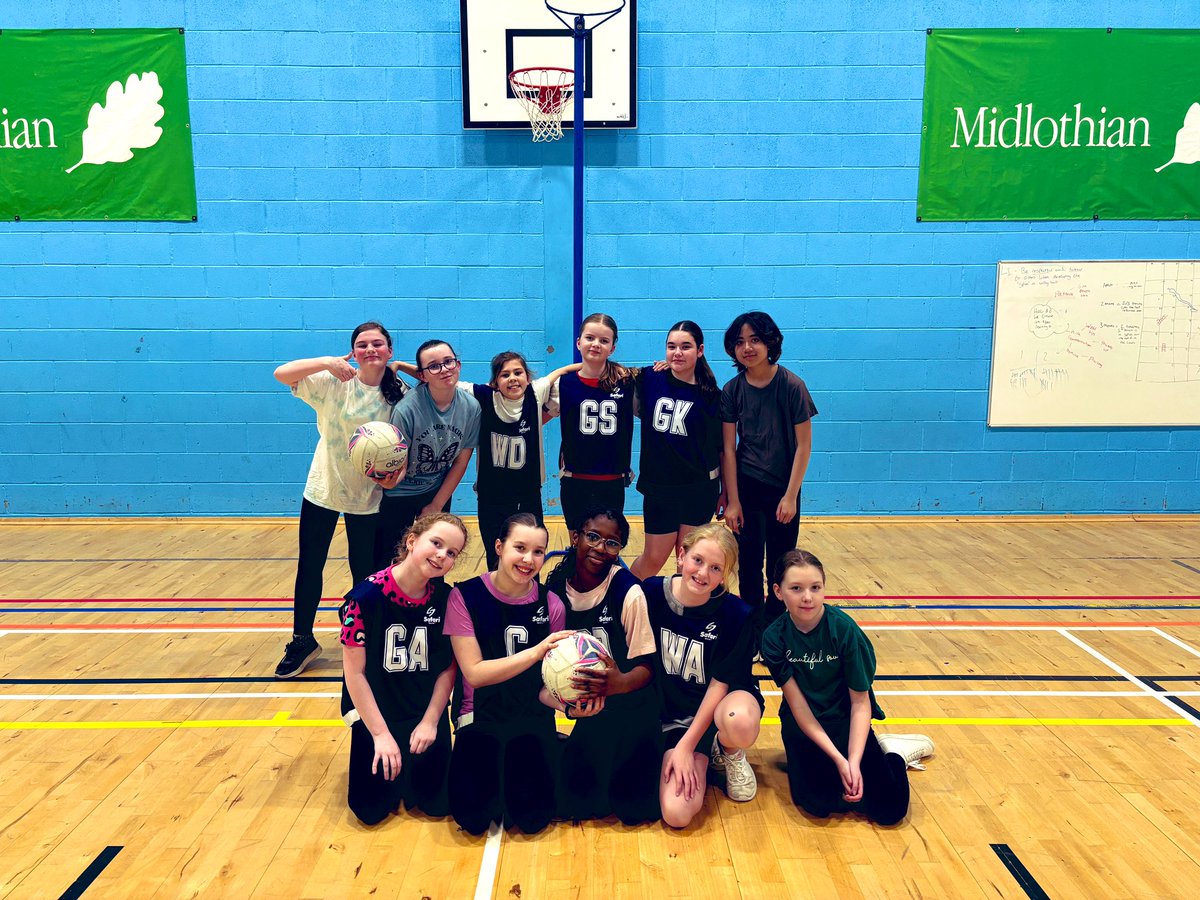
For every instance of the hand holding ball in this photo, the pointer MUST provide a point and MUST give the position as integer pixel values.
(378, 449)
(578, 651)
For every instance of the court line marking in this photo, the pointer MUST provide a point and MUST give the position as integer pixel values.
(836, 598)
(216, 695)
(285, 720)
(1177, 642)
(485, 885)
(1022, 875)
(333, 695)
(874, 625)
(92, 872)
(63, 609)
(1157, 695)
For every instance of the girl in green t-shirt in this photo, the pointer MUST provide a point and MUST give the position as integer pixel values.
(824, 665)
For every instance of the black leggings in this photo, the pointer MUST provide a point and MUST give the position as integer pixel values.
(317, 525)
(762, 531)
(611, 762)
(504, 772)
(396, 513)
(421, 784)
(816, 785)
(578, 495)
(492, 516)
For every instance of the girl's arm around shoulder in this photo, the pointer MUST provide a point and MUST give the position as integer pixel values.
(291, 373)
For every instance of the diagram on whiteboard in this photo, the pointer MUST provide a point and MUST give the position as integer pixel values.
(1096, 343)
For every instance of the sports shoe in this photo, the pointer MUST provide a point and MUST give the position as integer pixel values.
(734, 769)
(912, 748)
(300, 651)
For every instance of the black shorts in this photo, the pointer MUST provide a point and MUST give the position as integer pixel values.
(666, 508)
(673, 733)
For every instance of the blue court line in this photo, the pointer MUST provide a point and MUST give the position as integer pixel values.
(847, 606)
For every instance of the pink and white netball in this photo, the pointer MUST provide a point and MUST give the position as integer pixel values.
(377, 449)
(579, 651)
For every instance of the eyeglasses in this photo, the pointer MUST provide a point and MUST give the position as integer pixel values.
(448, 364)
(595, 540)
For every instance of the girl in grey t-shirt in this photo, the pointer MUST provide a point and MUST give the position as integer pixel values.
(441, 423)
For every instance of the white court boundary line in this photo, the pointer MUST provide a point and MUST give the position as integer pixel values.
(1177, 642)
(486, 885)
(1134, 680)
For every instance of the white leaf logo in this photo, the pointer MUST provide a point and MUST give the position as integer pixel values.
(1187, 139)
(126, 121)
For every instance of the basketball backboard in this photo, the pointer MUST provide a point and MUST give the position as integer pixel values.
(499, 36)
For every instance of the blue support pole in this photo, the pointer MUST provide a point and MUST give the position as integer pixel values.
(577, 306)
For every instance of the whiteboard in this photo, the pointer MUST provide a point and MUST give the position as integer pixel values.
(1100, 343)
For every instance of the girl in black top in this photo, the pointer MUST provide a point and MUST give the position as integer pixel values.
(610, 760)
(680, 474)
(510, 464)
(501, 624)
(597, 424)
(711, 705)
(397, 675)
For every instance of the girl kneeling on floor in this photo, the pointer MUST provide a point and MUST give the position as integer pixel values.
(824, 665)
(609, 764)
(501, 624)
(398, 674)
(711, 705)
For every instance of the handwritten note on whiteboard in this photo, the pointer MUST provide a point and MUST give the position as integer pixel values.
(1096, 343)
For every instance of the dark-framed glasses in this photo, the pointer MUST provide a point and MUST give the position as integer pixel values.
(447, 364)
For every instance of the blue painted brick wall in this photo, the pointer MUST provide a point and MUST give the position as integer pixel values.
(774, 167)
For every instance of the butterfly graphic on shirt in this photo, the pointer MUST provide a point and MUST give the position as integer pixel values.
(429, 464)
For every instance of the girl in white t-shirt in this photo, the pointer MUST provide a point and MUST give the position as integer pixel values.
(343, 398)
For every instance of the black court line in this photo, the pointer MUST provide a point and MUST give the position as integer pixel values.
(1018, 871)
(1180, 562)
(941, 676)
(91, 873)
(1186, 707)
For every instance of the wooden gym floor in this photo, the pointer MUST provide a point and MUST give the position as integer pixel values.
(145, 750)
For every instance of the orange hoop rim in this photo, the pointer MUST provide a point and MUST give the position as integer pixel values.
(526, 86)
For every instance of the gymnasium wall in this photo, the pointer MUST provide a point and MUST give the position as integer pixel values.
(774, 167)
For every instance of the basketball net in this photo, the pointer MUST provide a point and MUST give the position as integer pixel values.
(545, 92)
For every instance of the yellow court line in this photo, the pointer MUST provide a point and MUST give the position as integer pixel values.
(285, 720)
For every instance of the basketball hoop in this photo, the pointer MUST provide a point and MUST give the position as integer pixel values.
(545, 92)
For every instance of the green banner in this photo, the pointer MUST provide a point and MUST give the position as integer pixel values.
(94, 125)
(1060, 124)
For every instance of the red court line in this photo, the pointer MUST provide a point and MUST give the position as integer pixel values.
(935, 623)
(834, 597)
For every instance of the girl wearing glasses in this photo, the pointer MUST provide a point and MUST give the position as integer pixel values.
(441, 423)
(610, 764)
(680, 475)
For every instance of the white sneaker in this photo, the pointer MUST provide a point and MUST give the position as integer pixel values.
(734, 768)
(912, 748)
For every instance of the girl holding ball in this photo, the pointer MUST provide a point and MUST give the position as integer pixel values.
(343, 398)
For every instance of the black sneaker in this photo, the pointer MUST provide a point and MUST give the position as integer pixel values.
(300, 651)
